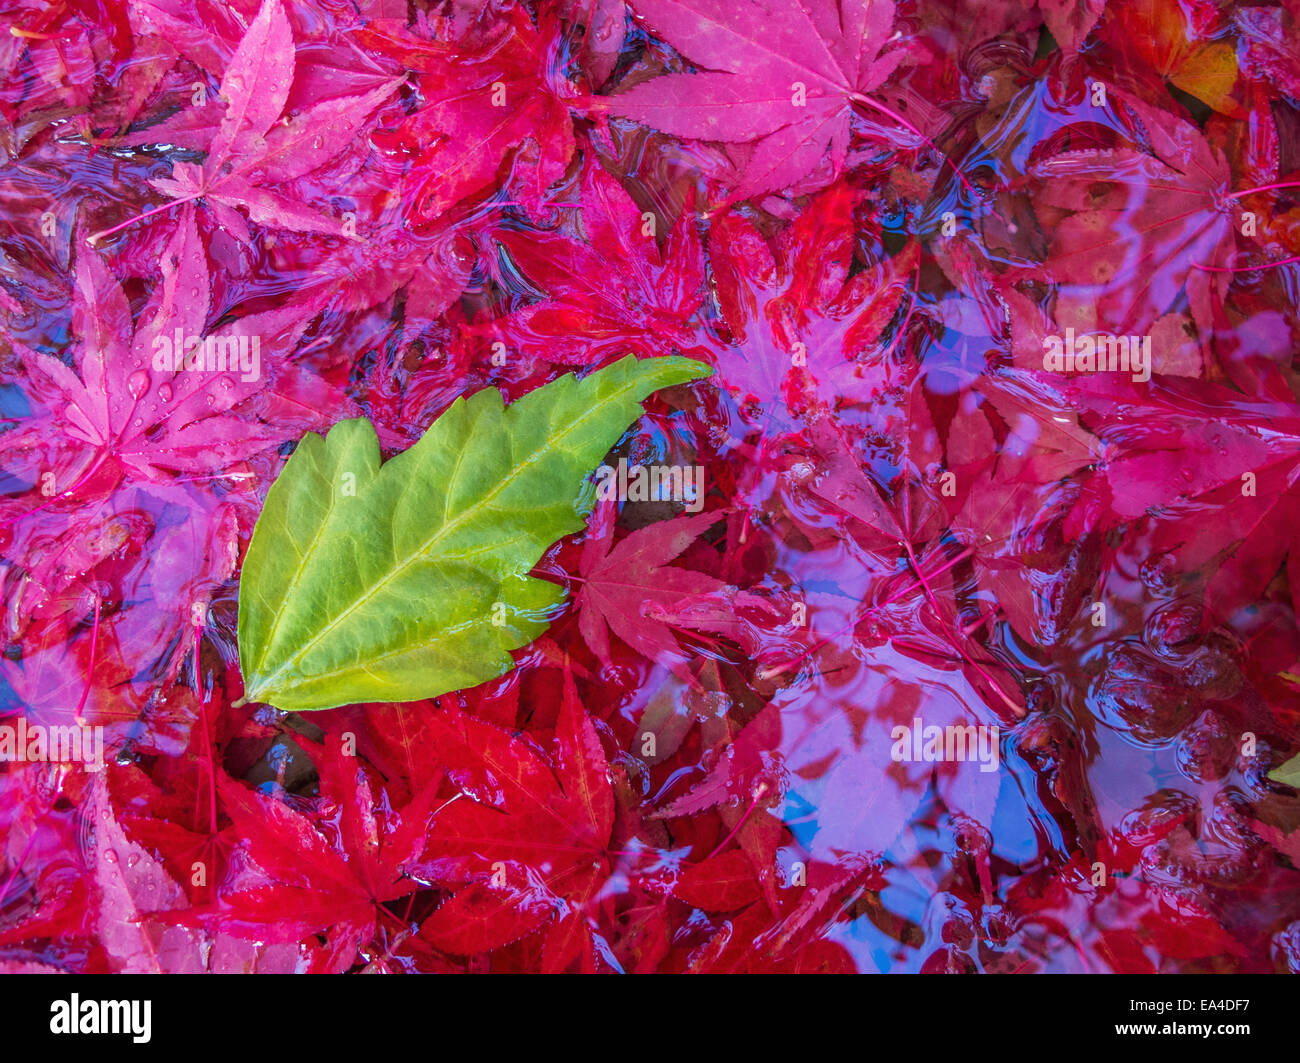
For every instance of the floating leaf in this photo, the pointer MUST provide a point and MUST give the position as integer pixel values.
(1289, 773)
(403, 581)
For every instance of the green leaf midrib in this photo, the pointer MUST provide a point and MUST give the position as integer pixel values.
(268, 682)
(435, 637)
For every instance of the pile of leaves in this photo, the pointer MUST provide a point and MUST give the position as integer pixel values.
(867, 217)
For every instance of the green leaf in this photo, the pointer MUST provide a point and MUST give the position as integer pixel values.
(1288, 774)
(395, 582)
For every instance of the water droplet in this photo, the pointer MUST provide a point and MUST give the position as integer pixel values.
(165, 392)
(137, 383)
(110, 856)
(318, 143)
(210, 400)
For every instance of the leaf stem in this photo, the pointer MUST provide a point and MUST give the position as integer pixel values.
(90, 665)
(207, 740)
(1245, 269)
(93, 239)
(31, 840)
(1263, 188)
(759, 790)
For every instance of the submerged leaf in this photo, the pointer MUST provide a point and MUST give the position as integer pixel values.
(395, 583)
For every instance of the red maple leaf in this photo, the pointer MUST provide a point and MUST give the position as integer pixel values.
(526, 842)
(333, 871)
(1185, 458)
(147, 421)
(136, 895)
(804, 334)
(608, 287)
(783, 76)
(252, 147)
(632, 589)
(1129, 222)
(482, 100)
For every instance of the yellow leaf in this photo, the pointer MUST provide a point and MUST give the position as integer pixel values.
(1209, 74)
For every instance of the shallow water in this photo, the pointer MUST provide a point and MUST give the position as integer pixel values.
(1118, 826)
